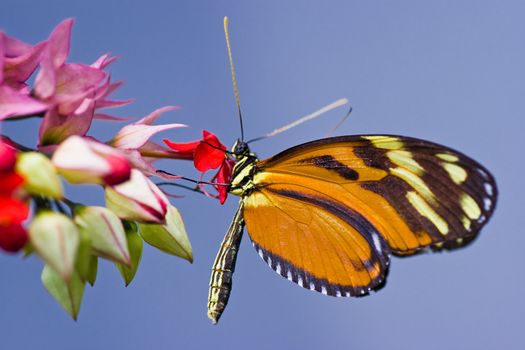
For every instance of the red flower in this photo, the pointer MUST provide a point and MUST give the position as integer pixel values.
(7, 158)
(208, 153)
(222, 178)
(13, 237)
(13, 211)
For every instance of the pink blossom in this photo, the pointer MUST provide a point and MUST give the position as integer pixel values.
(72, 91)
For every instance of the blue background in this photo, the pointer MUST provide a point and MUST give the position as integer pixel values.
(448, 71)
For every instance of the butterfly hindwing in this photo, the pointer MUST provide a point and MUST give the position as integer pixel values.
(316, 241)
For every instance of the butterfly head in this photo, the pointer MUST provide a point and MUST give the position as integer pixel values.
(240, 149)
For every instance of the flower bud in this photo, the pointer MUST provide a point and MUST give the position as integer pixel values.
(7, 158)
(108, 238)
(138, 199)
(67, 294)
(171, 237)
(81, 160)
(13, 237)
(55, 238)
(40, 175)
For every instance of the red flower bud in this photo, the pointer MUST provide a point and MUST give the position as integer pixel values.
(13, 237)
(120, 170)
(7, 158)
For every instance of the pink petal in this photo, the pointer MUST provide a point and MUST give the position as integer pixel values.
(53, 57)
(104, 61)
(45, 82)
(2, 56)
(15, 47)
(14, 103)
(113, 103)
(111, 118)
(59, 42)
(20, 68)
(141, 163)
(108, 90)
(134, 136)
(74, 83)
(150, 119)
(56, 127)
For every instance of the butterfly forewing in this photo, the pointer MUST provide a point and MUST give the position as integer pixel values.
(327, 213)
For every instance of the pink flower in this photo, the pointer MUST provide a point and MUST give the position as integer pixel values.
(82, 160)
(72, 91)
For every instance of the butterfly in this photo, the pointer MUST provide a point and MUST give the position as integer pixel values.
(328, 214)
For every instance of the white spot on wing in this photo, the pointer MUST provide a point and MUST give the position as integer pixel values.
(323, 290)
(269, 261)
(488, 203)
(338, 293)
(312, 286)
(347, 294)
(289, 275)
(278, 268)
(300, 281)
(489, 189)
(260, 253)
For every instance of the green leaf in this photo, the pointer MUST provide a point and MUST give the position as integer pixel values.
(68, 295)
(171, 238)
(135, 245)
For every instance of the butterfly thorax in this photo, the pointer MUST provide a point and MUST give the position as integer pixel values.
(243, 170)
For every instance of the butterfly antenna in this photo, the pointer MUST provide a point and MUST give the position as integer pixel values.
(333, 105)
(331, 132)
(226, 22)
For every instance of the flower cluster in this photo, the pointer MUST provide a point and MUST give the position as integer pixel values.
(70, 237)
(13, 208)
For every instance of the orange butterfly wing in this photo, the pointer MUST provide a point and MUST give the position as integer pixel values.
(326, 214)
